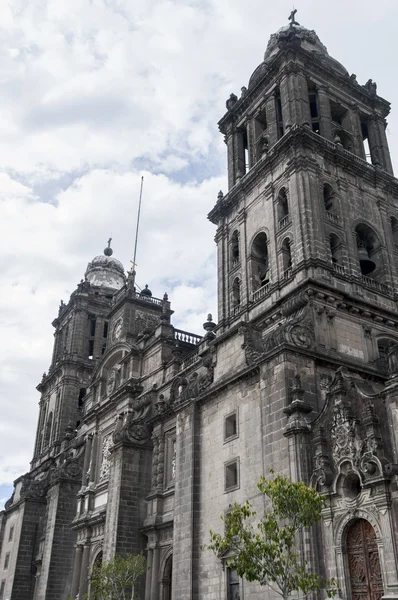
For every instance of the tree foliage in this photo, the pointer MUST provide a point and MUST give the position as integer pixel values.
(267, 552)
(117, 578)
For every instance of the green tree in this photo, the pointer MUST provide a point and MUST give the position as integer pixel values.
(267, 552)
(117, 578)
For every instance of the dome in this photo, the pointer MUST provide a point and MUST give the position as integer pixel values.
(106, 271)
(298, 35)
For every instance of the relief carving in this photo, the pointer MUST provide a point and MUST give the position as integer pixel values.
(106, 457)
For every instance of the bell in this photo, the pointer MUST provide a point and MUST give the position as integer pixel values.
(367, 265)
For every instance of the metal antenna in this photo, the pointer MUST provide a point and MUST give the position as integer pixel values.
(137, 228)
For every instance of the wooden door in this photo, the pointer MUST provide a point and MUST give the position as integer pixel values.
(363, 562)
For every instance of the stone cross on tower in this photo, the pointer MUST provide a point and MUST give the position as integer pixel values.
(292, 18)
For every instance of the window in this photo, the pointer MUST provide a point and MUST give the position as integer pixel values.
(328, 196)
(369, 251)
(231, 475)
(105, 335)
(283, 209)
(259, 262)
(335, 249)
(232, 585)
(2, 588)
(231, 427)
(394, 231)
(92, 326)
(6, 560)
(91, 349)
(11, 533)
(287, 258)
(82, 394)
(314, 109)
(235, 248)
(236, 294)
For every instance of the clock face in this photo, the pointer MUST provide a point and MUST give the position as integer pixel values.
(117, 329)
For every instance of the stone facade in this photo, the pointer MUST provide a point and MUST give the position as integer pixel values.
(146, 433)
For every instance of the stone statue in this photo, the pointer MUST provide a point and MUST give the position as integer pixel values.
(371, 86)
(393, 360)
(232, 100)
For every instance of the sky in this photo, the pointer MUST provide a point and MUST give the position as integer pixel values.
(96, 93)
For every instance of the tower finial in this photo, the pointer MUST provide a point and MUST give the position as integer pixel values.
(108, 250)
(292, 17)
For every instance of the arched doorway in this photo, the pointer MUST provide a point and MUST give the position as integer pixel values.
(363, 562)
(167, 576)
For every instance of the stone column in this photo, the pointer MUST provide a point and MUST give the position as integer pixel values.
(83, 583)
(185, 549)
(304, 117)
(76, 571)
(240, 163)
(325, 114)
(383, 144)
(356, 130)
(222, 273)
(87, 458)
(251, 141)
(148, 579)
(296, 430)
(229, 140)
(272, 126)
(94, 458)
(286, 102)
(129, 484)
(155, 575)
(378, 144)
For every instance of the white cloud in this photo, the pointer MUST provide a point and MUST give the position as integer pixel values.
(92, 92)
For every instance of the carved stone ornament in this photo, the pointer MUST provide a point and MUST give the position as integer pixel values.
(111, 383)
(393, 360)
(117, 329)
(34, 490)
(128, 430)
(131, 425)
(70, 469)
(106, 457)
(346, 441)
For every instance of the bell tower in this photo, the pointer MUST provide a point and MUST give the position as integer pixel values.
(307, 238)
(311, 187)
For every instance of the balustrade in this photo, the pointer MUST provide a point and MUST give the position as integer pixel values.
(283, 222)
(261, 292)
(185, 336)
(339, 269)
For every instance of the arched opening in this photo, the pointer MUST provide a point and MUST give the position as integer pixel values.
(287, 258)
(369, 252)
(98, 560)
(383, 346)
(282, 209)
(314, 107)
(235, 253)
(236, 294)
(336, 252)
(259, 262)
(394, 231)
(167, 578)
(48, 429)
(328, 198)
(363, 561)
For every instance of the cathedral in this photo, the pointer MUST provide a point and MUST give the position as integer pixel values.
(147, 433)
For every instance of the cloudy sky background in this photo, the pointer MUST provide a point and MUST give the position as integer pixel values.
(95, 93)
